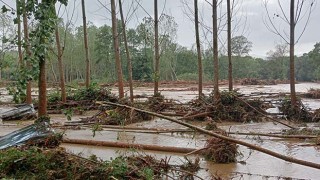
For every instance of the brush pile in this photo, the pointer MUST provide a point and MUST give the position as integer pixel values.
(158, 103)
(312, 93)
(220, 151)
(296, 113)
(254, 81)
(117, 116)
(38, 163)
(83, 99)
(230, 108)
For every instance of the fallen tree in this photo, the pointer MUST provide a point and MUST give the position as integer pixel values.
(129, 145)
(251, 146)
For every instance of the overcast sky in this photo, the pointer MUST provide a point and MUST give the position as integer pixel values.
(250, 15)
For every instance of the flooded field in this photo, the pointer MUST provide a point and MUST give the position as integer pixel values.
(251, 164)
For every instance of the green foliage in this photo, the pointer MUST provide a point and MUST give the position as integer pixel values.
(40, 40)
(118, 167)
(188, 76)
(4, 9)
(68, 113)
(141, 69)
(42, 119)
(95, 128)
(93, 92)
(147, 173)
(54, 96)
(35, 163)
(240, 46)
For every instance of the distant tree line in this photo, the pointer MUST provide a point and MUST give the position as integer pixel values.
(177, 62)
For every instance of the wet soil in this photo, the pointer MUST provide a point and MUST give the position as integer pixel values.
(252, 165)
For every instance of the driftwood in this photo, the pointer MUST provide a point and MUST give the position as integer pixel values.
(133, 128)
(125, 129)
(129, 145)
(251, 146)
(195, 115)
(275, 135)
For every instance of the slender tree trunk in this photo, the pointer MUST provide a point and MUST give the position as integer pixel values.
(19, 34)
(127, 52)
(200, 74)
(27, 49)
(61, 66)
(156, 49)
(229, 46)
(116, 48)
(292, 42)
(215, 52)
(42, 108)
(85, 36)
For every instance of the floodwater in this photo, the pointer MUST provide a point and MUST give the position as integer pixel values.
(251, 165)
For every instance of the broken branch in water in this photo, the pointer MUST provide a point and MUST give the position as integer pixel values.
(275, 135)
(251, 146)
(129, 145)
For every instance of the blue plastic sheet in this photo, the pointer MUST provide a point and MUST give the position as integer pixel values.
(33, 132)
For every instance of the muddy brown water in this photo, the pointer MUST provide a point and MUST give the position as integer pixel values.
(251, 165)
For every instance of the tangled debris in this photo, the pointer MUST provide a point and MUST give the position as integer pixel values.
(220, 151)
(231, 107)
(312, 93)
(303, 131)
(295, 113)
(39, 163)
(254, 81)
(117, 116)
(158, 103)
(80, 99)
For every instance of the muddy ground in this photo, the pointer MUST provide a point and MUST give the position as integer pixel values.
(251, 165)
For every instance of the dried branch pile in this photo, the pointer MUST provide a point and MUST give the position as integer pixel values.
(312, 93)
(221, 151)
(117, 116)
(296, 113)
(254, 81)
(231, 108)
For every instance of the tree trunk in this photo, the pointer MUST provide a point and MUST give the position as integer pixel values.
(215, 52)
(129, 63)
(19, 34)
(27, 49)
(42, 107)
(116, 49)
(200, 74)
(229, 47)
(292, 42)
(85, 36)
(61, 66)
(156, 49)
(129, 145)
